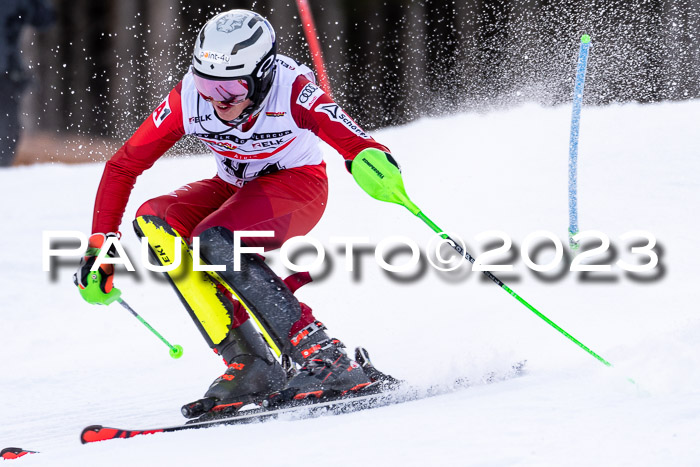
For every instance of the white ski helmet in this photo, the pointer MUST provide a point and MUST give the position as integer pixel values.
(237, 45)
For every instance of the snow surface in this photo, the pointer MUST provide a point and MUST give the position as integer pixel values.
(66, 364)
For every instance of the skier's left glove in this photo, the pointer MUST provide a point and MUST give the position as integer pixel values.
(96, 286)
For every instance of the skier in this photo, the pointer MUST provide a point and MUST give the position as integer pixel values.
(262, 116)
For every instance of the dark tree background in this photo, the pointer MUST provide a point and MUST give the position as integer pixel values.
(105, 64)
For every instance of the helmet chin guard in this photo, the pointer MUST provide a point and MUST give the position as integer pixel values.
(238, 45)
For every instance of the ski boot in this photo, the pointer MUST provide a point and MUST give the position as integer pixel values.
(252, 373)
(326, 371)
(385, 381)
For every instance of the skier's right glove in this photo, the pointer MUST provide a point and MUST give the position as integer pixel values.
(96, 286)
(378, 173)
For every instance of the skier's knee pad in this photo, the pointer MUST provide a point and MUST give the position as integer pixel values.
(156, 231)
(266, 296)
(211, 311)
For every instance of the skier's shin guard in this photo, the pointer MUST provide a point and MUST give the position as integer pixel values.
(266, 297)
(210, 310)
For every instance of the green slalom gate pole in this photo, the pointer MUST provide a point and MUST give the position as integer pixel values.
(382, 180)
(175, 350)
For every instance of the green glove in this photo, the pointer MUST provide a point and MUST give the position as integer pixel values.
(379, 175)
(96, 286)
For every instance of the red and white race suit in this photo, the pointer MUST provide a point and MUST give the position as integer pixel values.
(271, 175)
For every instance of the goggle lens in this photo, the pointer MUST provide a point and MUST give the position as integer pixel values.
(229, 92)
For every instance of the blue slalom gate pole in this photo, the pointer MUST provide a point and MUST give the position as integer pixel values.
(573, 139)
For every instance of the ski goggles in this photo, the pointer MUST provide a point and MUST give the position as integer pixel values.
(229, 92)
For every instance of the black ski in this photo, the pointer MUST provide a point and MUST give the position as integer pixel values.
(374, 397)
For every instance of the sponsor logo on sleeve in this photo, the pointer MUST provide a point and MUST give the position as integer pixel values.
(309, 95)
(337, 114)
(162, 112)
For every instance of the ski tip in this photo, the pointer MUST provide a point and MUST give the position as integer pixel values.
(15, 453)
(92, 433)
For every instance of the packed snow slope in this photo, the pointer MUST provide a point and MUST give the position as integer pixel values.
(66, 364)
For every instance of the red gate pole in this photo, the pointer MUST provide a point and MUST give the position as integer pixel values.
(307, 22)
